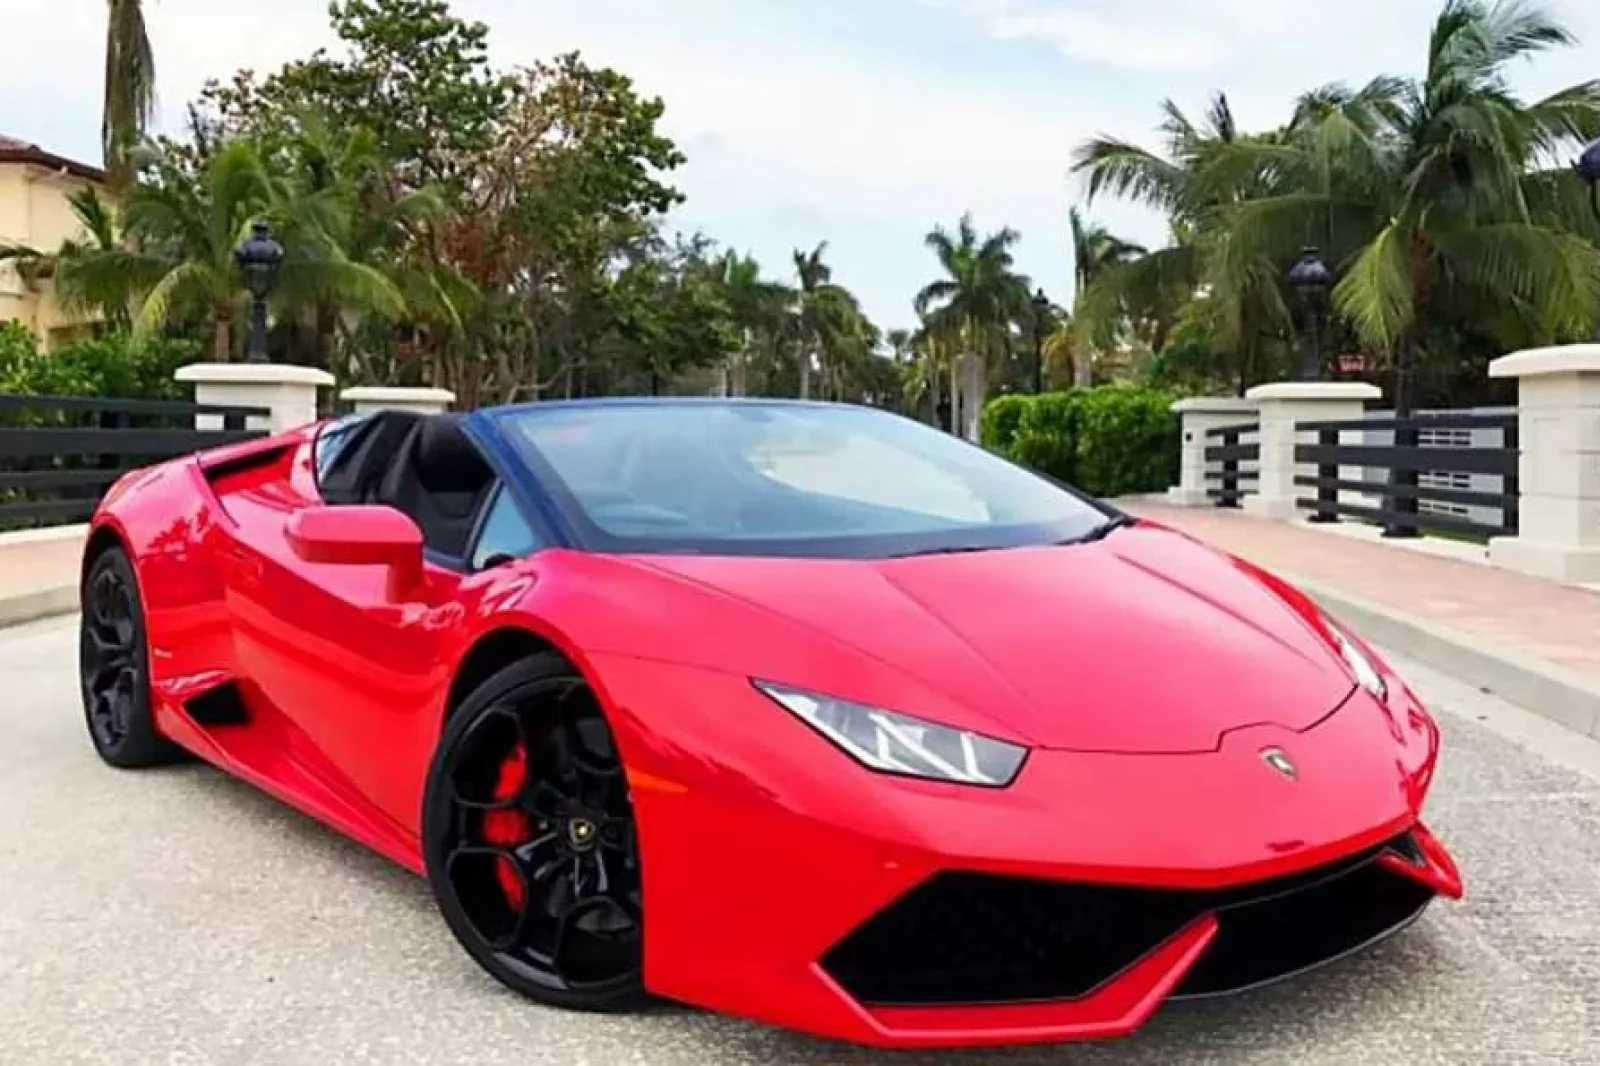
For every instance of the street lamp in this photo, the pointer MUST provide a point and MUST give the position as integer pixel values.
(259, 259)
(1310, 279)
(1041, 307)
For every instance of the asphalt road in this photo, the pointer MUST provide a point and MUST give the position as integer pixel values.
(178, 916)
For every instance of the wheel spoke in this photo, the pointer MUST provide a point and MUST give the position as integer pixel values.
(466, 762)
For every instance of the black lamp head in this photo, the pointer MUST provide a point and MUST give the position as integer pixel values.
(259, 259)
(1310, 276)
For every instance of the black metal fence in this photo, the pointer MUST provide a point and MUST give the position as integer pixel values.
(1436, 458)
(59, 454)
(1230, 453)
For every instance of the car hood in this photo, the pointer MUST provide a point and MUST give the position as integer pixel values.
(1145, 641)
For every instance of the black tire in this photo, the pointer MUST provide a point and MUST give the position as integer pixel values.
(114, 668)
(533, 857)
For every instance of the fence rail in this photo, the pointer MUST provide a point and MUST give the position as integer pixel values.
(59, 454)
(1229, 454)
(1406, 463)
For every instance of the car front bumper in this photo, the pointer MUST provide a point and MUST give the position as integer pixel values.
(785, 884)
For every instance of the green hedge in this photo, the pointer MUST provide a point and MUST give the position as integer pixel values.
(115, 366)
(1111, 440)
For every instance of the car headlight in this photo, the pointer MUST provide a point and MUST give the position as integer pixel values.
(899, 744)
(1367, 675)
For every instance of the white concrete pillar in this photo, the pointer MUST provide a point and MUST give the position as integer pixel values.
(1558, 430)
(1282, 405)
(1197, 414)
(366, 399)
(288, 392)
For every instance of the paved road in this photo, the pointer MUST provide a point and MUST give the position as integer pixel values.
(177, 916)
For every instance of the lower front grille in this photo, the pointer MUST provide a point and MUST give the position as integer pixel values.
(1275, 937)
(968, 938)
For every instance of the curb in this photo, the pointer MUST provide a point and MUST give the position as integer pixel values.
(1563, 696)
(18, 608)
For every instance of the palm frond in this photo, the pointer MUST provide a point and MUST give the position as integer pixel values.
(1555, 273)
(1124, 170)
(1378, 292)
(185, 283)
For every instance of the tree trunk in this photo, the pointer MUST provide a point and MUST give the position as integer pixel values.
(805, 373)
(222, 334)
(327, 324)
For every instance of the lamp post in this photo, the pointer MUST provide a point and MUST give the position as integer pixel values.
(259, 259)
(1588, 168)
(1310, 279)
(1041, 307)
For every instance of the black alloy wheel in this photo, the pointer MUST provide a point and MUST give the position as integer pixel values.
(114, 667)
(530, 843)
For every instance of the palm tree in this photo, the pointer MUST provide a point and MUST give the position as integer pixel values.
(976, 301)
(1096, 251)
(1198, 175)
(814, 276)
(759, 309)
(130, 86)
(1424, 193)
(347, 234)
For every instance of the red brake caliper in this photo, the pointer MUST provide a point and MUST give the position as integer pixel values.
(506, 828)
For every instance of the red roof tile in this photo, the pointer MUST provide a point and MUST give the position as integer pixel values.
(13, 150)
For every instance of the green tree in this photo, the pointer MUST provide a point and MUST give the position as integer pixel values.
(412, 73)
(1096, 251)
(760, 310)
(348, 241)
(1420, 191)
(1195, 177)
(978, 299)
(567, 196)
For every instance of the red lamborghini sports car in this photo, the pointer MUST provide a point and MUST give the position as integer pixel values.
(801, 712)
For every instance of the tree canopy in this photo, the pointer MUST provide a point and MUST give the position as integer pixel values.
(505, 233)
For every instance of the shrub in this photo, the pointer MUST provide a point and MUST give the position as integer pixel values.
(997, 428)
(17, 346)
(1111, 440)
(117, 366)
(1047, 435)
(1128, 441)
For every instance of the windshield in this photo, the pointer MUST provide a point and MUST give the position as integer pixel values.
(775, 478)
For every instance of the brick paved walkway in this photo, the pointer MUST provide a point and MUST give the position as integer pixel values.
(1557, 623)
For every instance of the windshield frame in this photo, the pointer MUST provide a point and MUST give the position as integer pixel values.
(556, 499)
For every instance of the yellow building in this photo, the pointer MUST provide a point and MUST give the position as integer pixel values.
(34, 212)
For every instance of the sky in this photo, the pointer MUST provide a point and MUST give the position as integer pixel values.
(862, 123)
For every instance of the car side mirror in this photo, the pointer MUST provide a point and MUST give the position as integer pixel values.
(360, 535)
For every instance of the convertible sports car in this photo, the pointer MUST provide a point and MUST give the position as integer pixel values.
(801, 712)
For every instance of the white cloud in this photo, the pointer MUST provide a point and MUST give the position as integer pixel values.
(1137, 43)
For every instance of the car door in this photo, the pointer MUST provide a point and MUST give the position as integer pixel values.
(347, 672)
